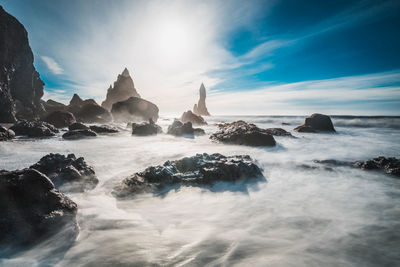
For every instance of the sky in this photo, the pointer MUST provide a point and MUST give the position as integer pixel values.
(276, 57)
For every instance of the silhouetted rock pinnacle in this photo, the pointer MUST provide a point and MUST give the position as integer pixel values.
(200, 108)
(122, 90)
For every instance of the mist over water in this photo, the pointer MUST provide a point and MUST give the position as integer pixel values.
(299, 217)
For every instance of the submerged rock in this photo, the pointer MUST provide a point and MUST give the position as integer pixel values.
(178, 128)
(77, 126)
(146, 128)
(31, 209)
(78, 134)
(199, 170)
(6, 134)
(200, 108)
(68, 173)
(388, 165)
(134, 109)
(242, 133)
(34, 128)
(60, 119)
(316, 123)
(103, 129)
(189, 116)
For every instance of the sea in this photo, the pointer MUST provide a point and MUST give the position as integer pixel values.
(303, 215)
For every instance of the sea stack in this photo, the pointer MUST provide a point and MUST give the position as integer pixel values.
(122, 90)
(20, 85)
(200, 108)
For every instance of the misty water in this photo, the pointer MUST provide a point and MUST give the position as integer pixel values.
(299, 217)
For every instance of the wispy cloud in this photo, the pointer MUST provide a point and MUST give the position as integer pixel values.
(52, 65)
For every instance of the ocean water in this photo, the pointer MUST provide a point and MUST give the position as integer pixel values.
(299, 217)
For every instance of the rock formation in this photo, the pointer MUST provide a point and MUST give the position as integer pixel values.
(20, 85)
(79, 134)
(88, 110)
(60, 119)
(134, 109)
(34, 129)
(242, 133)
(178, 128)
(122, 90)
(51, 106)
(200, 108)
(316, 123)
(101, 129)
(189, 116)
(146, 128)
(199, 170)
(6, 134)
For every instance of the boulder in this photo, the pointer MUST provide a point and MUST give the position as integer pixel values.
(103, 129)
(68, 173)
(278, 132)
(122, 90)
(178, 128)
(20, 85)
(189, 116)
(316, 123)
(78, 134)
(146, 128)
(199, 170)
(6, 134)
(388, 165)
(200, 108)
(77, 126)
(60, 119)
(31, 209)
(34, 129)
(242, 133)
(134, 109)
(88, 110)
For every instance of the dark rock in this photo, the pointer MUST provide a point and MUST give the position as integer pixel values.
(134, 109)
(242, 133)
(285, 123)
(200, 108)
(6, 134)
(60, 119)
(78, 134)
(146, 128)
(278, 132)
(77, 126)
(388, 165)
(316, 123)
(20, 85)
(51, 106)
(88, 110)
(178, 128)
(34, 128)
(68, 173)
(123, 90)
(189, 116)
(199, 170)
(76, 101)
(103, 129)
(31, 209)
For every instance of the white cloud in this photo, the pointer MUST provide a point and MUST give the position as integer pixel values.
(52, 65)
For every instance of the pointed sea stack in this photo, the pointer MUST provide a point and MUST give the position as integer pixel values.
(122, 90)
(200, 108)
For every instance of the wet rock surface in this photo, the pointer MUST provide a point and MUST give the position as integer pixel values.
(31, 209)
(60, 119)
(34, 129)
(189, 116)
(146, 128)
(6, 134)
(199, 170)
(178, 128)
(278, 132)
(316, 123)
(78, 134)
(242, 133)
(77, 126)
(68, 173)
(101, 129)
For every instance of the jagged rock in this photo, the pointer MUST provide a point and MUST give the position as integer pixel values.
(122, 90)
(6, 134)
(88, 110)
(146, 128)
(134, 109)
(103, 129)
(78, 134)
(77, 126)
(20, 85)
(34, 128)
(388, 165)
(60, 119)
(76, 101)
(68, 173)
(242, 133)
(189, 116)
(178, 128)
(278, 132)
(200, 108)
(199, 170)
(31, 209)
(51, 106)
(316, 123)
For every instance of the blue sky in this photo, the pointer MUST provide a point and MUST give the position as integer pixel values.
(255, 57)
